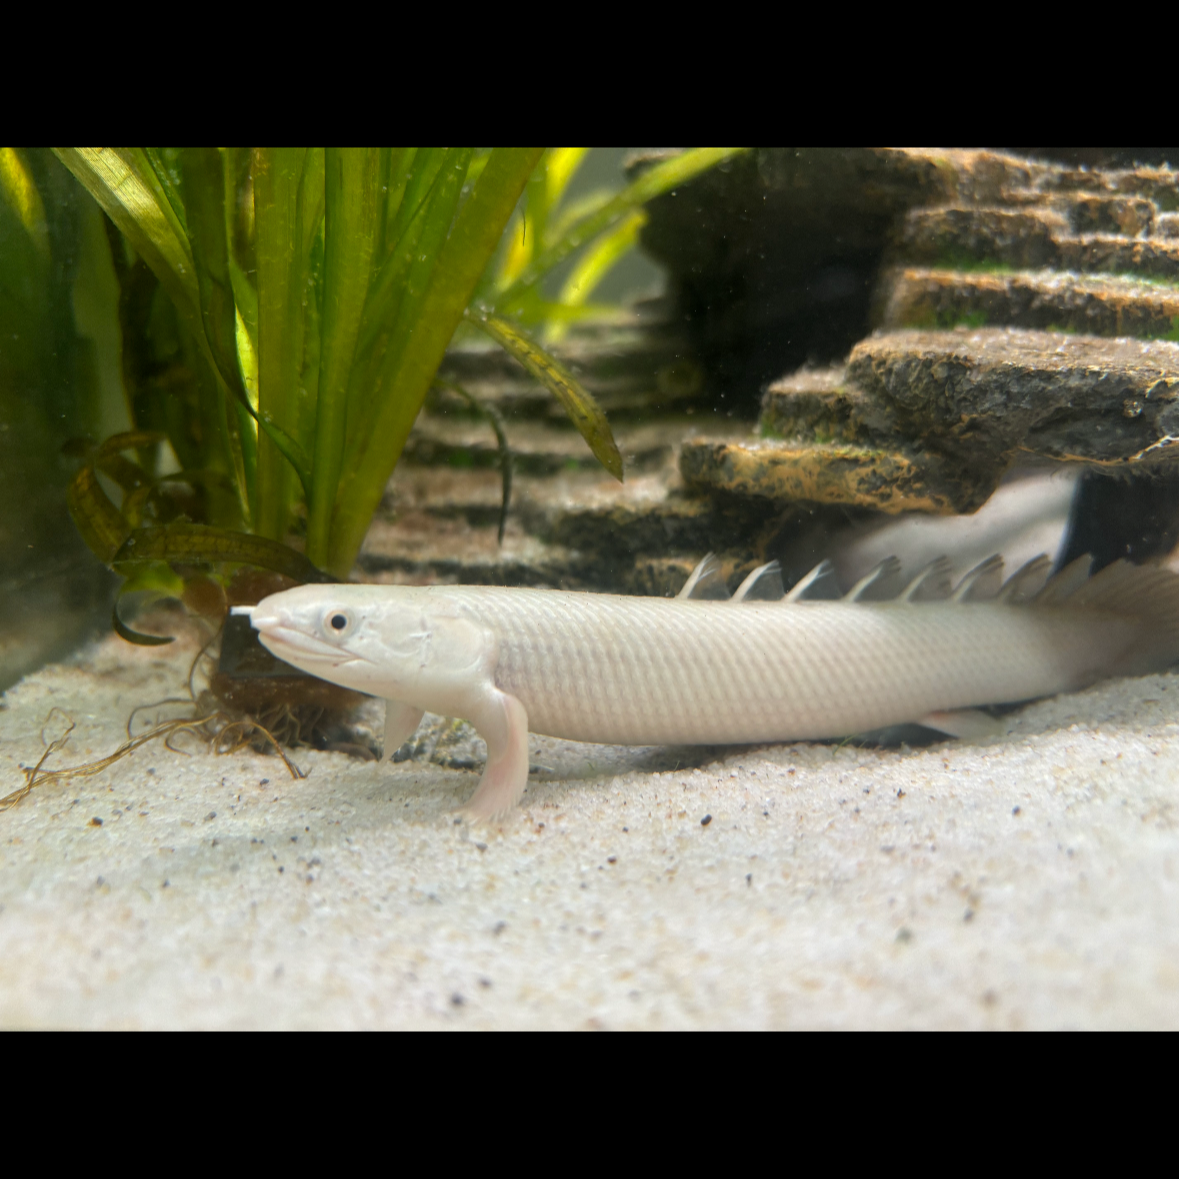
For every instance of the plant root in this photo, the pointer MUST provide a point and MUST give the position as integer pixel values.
(223, 734)
(262, 721)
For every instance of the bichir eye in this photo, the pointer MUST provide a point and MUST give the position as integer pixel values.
(338, 622)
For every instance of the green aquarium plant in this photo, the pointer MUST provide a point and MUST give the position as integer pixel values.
(58, 378)
(284, 312)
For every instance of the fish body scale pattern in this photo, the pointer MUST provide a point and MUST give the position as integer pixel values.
(599, 667)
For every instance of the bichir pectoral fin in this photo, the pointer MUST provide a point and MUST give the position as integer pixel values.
(401, 721)
(501, 721)
(967, 723)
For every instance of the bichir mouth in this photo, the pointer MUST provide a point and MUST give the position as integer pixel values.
(298, 648)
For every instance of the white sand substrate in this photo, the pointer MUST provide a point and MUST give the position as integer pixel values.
(1029, 881)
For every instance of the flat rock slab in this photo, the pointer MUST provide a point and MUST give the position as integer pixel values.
(1029, 882)
(777, 256)
(1042, 299)
(1112, 235)
(830, 473)
(982, 396)
(930, 420)
(817, 404)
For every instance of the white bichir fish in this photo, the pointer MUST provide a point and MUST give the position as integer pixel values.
(707, 668)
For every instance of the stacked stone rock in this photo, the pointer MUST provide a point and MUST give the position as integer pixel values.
(1046, 306)
(1054, 249)
(1005, 310)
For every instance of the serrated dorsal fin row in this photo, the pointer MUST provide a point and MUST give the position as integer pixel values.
(1032, 582)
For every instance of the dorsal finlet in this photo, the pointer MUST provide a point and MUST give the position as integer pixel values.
(1026, 582)
(875, 580)
(706, 581)
(1066, 582)
(982, 582)
(931, 583)
(764, 584)
(816, 584)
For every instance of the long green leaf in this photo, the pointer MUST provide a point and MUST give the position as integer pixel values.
(546, 187)
(239, 213)
(129, 477)
(124, 184)
(278, 173)
(312, 195)
(128, 188)
(578, 209)
(661, 178)
(128, 440)
(396, 294)
(239, 224)
(469, 248)
(168, 177)
(395, 166)
(438, 214)
(133, 636)
(560, 168)
(183, 541)
(352, 209)
(134, 503)
(585, 413)
(292, 450)
(310, 215)
(388, 285)
(99, 522)
(593, 266)
(204, 189)
(102, 526)
(127, 550)
(380, 314)
(419, 180)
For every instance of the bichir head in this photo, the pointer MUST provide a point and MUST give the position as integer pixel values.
(359, 636)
